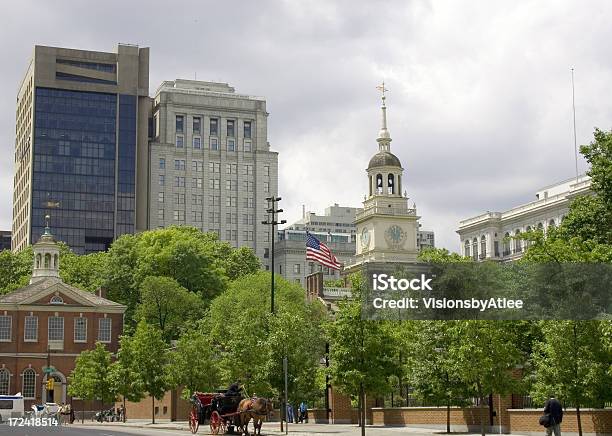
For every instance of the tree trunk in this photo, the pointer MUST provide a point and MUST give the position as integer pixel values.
(448, 406)
(579, 419)
(363, 409)
(153, 409)
(124, 410)
(481, 409)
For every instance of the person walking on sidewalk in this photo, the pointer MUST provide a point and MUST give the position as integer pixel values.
(290, 416)
(554, 410)
(303, 412)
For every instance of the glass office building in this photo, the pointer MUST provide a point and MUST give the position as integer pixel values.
(78, 164)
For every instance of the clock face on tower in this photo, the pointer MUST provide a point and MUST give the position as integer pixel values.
(395, 236)
(365, 238)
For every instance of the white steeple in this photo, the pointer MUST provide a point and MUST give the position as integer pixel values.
(384, 137)
(46, 256)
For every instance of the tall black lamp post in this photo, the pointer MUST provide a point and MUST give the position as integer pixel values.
(271, 221)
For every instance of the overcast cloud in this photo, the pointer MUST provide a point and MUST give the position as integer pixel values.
(479, 101)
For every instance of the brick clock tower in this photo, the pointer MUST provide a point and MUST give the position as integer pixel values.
(387, 227)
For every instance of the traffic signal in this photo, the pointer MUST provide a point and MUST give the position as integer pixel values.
(50, 384)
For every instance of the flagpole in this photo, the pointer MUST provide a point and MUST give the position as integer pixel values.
(574, 114)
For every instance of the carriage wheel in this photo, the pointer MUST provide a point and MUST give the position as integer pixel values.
(194, 422)
(215, 422)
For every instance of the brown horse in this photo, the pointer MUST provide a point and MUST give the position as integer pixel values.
(255, 408)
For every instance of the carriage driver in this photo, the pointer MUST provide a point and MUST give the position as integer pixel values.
(234, 389)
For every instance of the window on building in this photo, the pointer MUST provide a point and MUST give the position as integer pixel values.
(214, 127)
(518, 247)
(266, 170)
(248, 219)
(160, 197)
(180, 122)
(197, 142)
(230, 201)
(249, 202)
(266, 236)
(230, 128)
(30, 331)
(231, 168)
(197, 165)
(247, 129)
(179, 164)
(214, 144)
(231, 235)
(6, 328)
(197, 125)
(280, 269)
(29, 384)
(104, 329)
(180, 141)
(162, 180)
(496, 248)
(179, 198)
(296, 268)
(248, 186)
(266, 253)
(230, 185)
(266, 186)
(475, 249)
(214, 167)
(248, 146)
(248, 170)
(56, 299)
(197, 216)
(214, 200)
(248, 235)
(483, 247)
(231, 144)
(231, 218)
(196, 182)
(179, 215)
(467, 248)
(56, 328)
(551, 223)
(160, 214)
(162, 163)
(4, 381)
(179, 182)
(196, 199)
(213, 183)
(214, 217)
(80, 329)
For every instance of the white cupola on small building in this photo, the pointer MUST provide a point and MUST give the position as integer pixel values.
(46, 256)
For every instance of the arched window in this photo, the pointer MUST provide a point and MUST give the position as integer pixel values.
(390, 184)
(38, 260)
(506, 244)
(483, 247)
(56, 299)
(551, 223)
(4, 381)
(379, 184)
(518, 247)
(399, 184)
(527, 242)
(55, 261)
(540, 226)
(29, 384)
(47, 260)
(475, 249)
(467, 248)
(370, 178)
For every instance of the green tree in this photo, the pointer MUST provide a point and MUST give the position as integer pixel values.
(193, 364)
(90, 379)
(15, 269)
(362, 353)
(429, 368)
(573, 363)
(482, 355)
(251, 343)
(168, 306)
(124, 375)
(149, 359)
(241, 262)
(85, 272)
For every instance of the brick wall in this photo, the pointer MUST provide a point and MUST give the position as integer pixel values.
(431, 417)
(594, 421)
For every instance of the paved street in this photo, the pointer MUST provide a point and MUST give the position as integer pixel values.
(181, 428)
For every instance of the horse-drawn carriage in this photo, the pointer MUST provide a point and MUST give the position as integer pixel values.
(226, 412)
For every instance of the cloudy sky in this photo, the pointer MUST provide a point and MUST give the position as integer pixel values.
(479, 101)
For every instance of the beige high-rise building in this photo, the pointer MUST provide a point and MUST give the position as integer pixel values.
(210, 162)
(81, 121)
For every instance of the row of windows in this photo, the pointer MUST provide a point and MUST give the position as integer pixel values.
(28, 383)
(197, 182)
(55, 331)
(247, 145)
(213, 167)
(230, 126)
(213, 217)
(213, 200)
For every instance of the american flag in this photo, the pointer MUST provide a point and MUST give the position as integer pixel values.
(318, 251)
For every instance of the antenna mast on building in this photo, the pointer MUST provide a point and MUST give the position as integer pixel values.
(574, 114)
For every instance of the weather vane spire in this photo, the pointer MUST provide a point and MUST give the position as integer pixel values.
(384, 137)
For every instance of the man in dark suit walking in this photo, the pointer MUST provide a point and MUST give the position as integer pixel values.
(554, 409)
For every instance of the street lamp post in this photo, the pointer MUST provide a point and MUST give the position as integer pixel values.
(271, 221)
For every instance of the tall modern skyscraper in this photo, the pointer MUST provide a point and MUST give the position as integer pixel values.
(211, 166)
(82, 121)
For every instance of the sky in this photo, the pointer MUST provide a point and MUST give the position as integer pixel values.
(479, 101)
